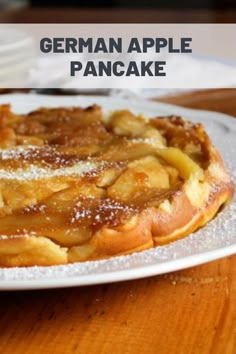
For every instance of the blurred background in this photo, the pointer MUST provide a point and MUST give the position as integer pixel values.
(119, 11)
(121, 3)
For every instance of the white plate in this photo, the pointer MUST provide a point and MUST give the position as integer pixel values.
(215, 240)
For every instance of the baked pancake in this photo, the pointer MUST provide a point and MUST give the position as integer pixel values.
(76, 185)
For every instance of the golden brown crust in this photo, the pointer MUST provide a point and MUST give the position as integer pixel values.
(153, 228)
(156, 182)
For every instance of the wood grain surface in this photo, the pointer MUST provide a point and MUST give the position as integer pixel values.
(191, 311)
(118, 15)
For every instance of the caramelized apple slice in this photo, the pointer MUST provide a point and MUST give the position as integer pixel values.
(182, 162)
(141, 174)
(124, 123)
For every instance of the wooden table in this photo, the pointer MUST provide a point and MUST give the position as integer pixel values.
(191, 311)
(116, 15)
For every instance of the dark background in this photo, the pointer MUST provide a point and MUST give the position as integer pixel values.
(118, 11)
(175, 4)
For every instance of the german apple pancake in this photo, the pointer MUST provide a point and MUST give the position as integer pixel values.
(78, 185)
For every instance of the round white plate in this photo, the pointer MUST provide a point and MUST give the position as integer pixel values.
(215, 240)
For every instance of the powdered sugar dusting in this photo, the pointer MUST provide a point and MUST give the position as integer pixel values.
(17, 152)
(101, 211)
(7, 237)
(34, 172)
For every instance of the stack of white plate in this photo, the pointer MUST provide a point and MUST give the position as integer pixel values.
(16, 57)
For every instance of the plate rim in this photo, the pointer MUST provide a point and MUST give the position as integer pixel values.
(121, 275)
